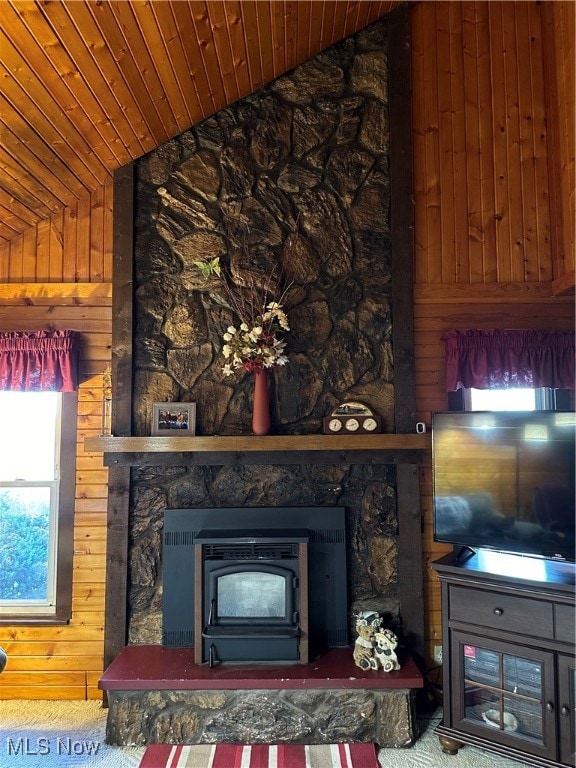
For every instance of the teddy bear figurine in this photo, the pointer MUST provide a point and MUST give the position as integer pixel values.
(385, 644)
(367, 625)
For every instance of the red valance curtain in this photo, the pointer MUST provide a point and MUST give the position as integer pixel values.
(39, 362)
(506, 359)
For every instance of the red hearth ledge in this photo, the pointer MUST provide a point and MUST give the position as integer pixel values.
(155, 667)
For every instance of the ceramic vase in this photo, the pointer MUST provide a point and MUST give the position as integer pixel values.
(261, 406)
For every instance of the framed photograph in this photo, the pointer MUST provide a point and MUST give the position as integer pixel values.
(174, 419)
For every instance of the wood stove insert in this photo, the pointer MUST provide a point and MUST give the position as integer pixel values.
(251, 596)
(255, 585)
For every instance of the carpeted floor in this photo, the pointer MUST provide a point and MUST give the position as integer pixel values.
(70, 734)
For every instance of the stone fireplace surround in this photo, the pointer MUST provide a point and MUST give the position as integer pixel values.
(315, 197)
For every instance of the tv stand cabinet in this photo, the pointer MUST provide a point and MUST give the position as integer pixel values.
(508, 656)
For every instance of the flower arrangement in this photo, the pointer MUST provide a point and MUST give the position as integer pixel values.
(256, 343)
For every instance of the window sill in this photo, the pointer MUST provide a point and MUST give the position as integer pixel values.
(21, 619)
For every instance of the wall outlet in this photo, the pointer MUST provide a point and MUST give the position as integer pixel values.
(438, 654)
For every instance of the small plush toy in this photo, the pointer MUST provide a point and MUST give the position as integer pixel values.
(386, 643)
(367, 624)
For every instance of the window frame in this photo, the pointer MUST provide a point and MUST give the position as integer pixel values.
(65, 525)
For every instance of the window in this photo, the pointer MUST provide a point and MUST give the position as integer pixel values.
(520, 399)
(37, 468)
(524, 399)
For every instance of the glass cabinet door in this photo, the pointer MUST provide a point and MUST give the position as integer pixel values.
(506, 693)
(567, 707)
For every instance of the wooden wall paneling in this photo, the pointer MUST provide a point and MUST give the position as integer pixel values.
(278, 42)
(489, 265)
(117, 24)
(50, 177)
(223, 48)
(315, 37)
(428, 91)
(11, 200)
(97, 214)
(18, 183)
(10, 224)
(352, 16)
(37, 38)
(291, 34)
(53, 115)
(461, 255)
(253, 49)
(162, 66)
(339, 17)
(55, 252)
(239, 53)
(513, 260)
(564, 26)
(108, 230)
(472, 157)
(86, 319)
(203, 36)
(499, 133)
(84, 216)
(4, 260)
(198, 74)
(418, 144)
(28, 306)
(535, 154)
(448, 254)
(42, 253)
(78, 32)
(49, 122)
(70, 242)
(56, 178)
(16, 254)
(328, 9)
(175, 43)
(558, 25)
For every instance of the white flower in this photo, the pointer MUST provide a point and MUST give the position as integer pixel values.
(226, 350)
(227, 369)
(231, 330)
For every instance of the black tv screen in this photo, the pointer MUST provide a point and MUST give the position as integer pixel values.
(505, 481)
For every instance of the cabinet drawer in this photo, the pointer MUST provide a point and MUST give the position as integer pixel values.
(505, 612)
(565, 621)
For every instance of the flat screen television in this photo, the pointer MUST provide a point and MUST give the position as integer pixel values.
(505, 481)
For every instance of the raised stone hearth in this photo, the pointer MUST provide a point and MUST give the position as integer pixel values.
(160, 695)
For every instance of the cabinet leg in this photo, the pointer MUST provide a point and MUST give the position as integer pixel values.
(450, 746)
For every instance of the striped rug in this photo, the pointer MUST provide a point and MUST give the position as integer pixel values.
(260, 756)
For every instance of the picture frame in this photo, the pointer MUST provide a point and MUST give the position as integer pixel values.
(173, 419)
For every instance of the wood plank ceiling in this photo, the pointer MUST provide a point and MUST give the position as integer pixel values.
(89, 85)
